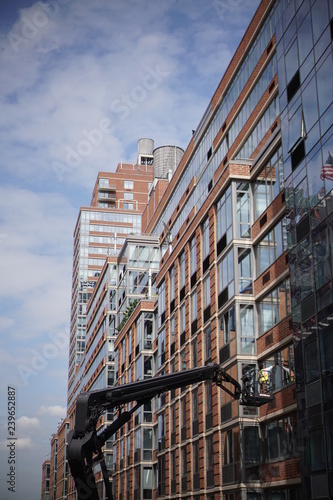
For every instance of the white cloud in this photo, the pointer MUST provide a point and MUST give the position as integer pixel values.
(25, 422)
(54, 411)
(24, 443)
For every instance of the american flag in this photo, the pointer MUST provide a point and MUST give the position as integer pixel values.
(327, 168)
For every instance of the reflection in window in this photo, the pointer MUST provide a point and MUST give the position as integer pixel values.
(311, 361)
(147, 443)
(274, 307)
(251, 445)
(228, 324)
(326, 351)
(296, 129)
(324, 82)
(182, 270)
(205, 238)
(317, 450)
(281, 367)
(194, 306)
(243, 210)
(206, 286)
(228, 447)
(281, 438)
(321, 257)
(268, 183)
(226, 273)
(224, 216)
(245, 271)
(193, 255)
(301, 271)
(161, 303)
(247, 329)
(291, 59)
(271, 247)
(161, 348)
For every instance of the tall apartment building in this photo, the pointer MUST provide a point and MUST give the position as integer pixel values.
(243, 227)
(115, 212)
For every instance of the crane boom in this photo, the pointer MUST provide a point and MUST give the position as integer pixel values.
(85, 445)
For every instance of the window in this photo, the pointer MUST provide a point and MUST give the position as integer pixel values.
(268, 183)
(182, 324)
(271, 247)
(128, 184)
(281, 438)
(139, 328)
(161, 431)
(103, 182)
(226, 274)
(196, 459)
(245, 281)
(206, 286)
(193, 246)
(209, 397)
(296, 129)
(161, 348)
(172, 284)
(311, 361)
(210, 460)
(128, 206)
(148, 330)
(208, 344)
(243, 210)
(228, 447)
(274, 307)
(281, 368)
(182, 270)
(147, 443)
(247, 338)
(205, 239)
(128, 196)
(228, 324)
(183, 418)
(184, 461)
(161, 304)
(224, 217)
(183, 359)
(161, 475)
(194, 306)
(148, 367)
(195, 405)
(147, 481)
(251, 445)
(194, 353)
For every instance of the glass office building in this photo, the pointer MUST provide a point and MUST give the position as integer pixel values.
(304, 58)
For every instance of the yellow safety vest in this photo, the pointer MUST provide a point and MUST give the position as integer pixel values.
(263, 376)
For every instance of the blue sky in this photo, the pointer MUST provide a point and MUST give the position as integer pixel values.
(80, 83)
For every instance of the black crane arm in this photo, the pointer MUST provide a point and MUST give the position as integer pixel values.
(85, 445)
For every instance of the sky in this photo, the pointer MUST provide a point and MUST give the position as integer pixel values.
(80, 83)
